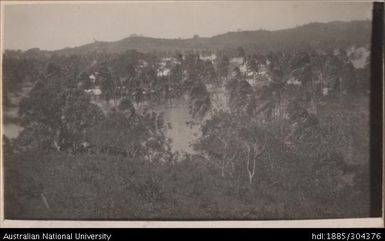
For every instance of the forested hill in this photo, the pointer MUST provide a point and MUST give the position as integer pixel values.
(332, 34)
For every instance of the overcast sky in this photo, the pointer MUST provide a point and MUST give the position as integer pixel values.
(55, 26)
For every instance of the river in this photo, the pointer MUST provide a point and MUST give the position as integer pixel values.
(10, 127)
(176, 113)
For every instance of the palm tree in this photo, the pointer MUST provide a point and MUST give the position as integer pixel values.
(200, 101)
(241, 96)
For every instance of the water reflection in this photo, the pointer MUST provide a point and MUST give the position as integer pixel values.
(11, 130)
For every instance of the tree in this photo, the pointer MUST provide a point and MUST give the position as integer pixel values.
(78, 116)
(60, 112)
(241, 97)
(219, 141)
(200, 101)
(126, 106)
(208, 72)
(300, 121)
(241, 52)
(223, 66)
(252, 140)
(140, 137)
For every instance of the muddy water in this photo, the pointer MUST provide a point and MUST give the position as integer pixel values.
(181, 134)
(11, 130)
(176, 113)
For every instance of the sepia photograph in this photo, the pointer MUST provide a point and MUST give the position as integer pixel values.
(189, 111)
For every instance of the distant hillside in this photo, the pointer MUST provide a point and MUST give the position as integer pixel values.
(333, 34)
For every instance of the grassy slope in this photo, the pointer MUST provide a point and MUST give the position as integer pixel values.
(90, 186)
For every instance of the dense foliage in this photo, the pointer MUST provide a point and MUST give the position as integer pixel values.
(288, 136)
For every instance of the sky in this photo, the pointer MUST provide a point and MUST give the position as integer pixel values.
(55, 26)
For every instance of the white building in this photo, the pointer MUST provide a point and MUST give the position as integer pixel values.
(94, 92)
(161, 72)
(211, 57)
(237, 61)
